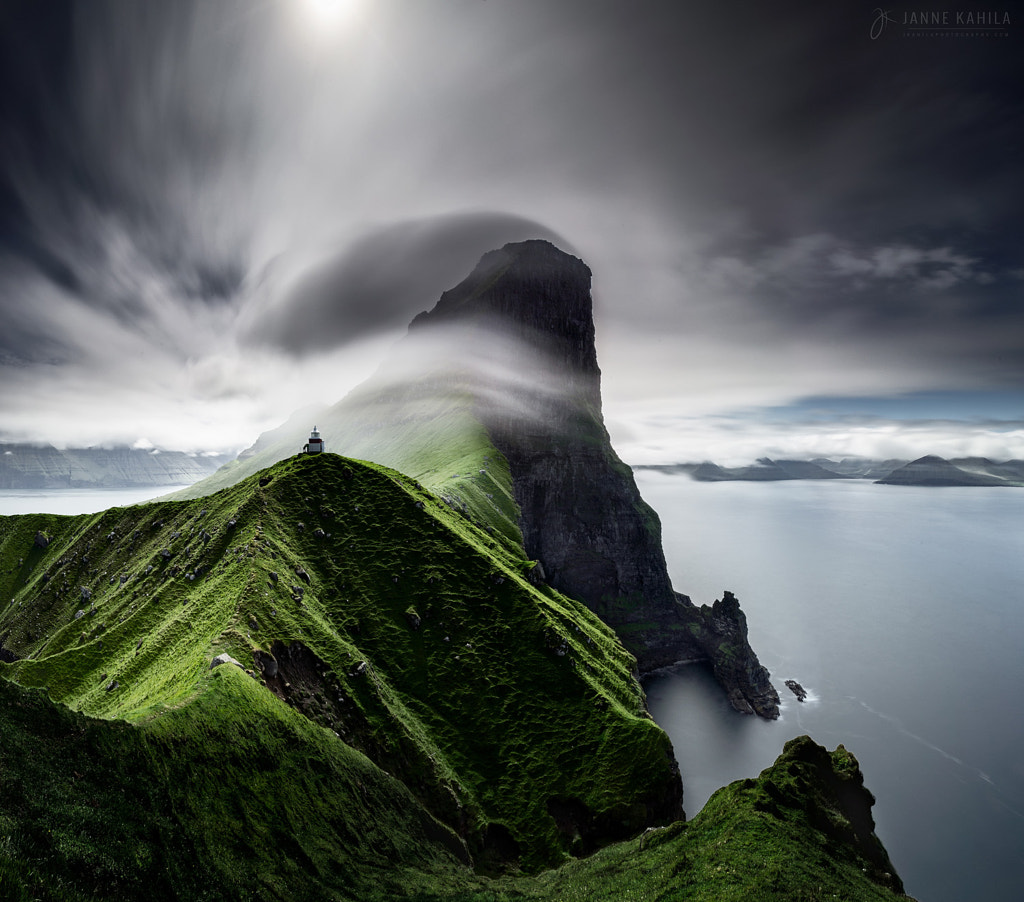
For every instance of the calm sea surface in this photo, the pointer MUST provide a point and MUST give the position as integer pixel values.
(76, 501)
(901, 611)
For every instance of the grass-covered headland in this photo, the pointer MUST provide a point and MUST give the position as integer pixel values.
(403, 711)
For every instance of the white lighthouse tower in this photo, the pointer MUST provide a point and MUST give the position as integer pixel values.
(315, 445)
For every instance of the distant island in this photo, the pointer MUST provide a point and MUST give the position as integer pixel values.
(27, 466)
(925, 471)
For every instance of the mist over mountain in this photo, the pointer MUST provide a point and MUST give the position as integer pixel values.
(928, 470)
(24, 466)
(413, 674)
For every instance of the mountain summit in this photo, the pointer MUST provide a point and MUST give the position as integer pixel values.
(493, 402)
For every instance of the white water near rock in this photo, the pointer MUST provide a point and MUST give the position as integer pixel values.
(901, 611)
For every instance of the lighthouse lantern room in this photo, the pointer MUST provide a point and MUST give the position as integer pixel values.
(315, 445)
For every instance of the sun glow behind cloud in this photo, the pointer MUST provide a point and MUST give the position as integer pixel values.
(330, 15)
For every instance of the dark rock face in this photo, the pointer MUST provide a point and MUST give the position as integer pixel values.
(581, 514)
(797, 690)
(724, 639)
(828, 789)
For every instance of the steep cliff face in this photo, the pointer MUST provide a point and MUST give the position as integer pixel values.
(493, 403)
(580, 512)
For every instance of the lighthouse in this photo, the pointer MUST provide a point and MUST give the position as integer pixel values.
(315, 445)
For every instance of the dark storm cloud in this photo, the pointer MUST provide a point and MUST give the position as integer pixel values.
(384, 278)
(773, 204)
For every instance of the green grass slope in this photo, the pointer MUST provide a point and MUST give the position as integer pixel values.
(376, 612)
(429, 432)
(216, 804)
(412, 718)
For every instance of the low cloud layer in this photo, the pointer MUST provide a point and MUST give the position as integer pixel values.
(740, 440)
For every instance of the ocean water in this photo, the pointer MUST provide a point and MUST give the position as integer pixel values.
(901, 611)
(76, 501)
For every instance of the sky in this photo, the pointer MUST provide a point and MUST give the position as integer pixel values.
(803, 220)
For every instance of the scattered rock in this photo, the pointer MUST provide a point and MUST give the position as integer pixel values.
(79, 614)
(359, 669)
(266, 663)
(303, 575)
(112, 685)
(41, 540)
(225, 658)
(536, 575)
(86, 593)
(797, 690)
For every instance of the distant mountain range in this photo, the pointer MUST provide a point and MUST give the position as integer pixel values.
(925, 471)
(25, 466)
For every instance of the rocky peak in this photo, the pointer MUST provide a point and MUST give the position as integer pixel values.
(534, 286)
(580, 512)
(538, 294)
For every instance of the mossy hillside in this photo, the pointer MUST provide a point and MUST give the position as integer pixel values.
(425, 428)
(432, 435)
(229, 797)
(501, 704)
(796, 833)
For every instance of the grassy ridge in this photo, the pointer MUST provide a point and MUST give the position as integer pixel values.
(423, 428)
(412, 717)
(226, 798)
(436, 657)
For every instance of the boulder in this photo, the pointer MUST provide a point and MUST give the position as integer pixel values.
(266, 663)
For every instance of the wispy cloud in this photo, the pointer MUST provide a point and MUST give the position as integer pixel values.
(741, 439)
